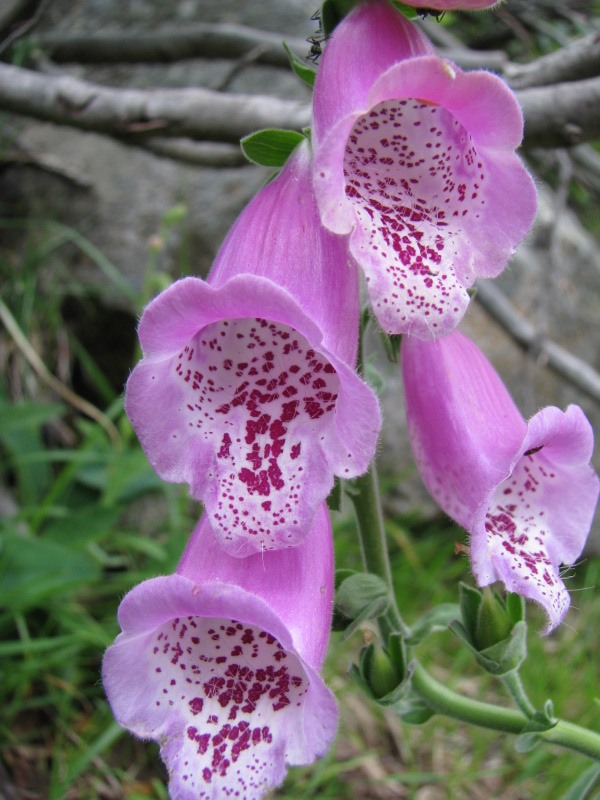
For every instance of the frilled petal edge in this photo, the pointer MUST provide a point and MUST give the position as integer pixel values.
(239, 396)
(212, 674)
(539, 517)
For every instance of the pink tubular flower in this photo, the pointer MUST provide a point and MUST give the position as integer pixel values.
(220, 664)
(414, 160)
(247, 389)
(526, 492)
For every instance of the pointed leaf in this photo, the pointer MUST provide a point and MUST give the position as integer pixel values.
(438, 619)
(270, 147)
(585, 784)
(301, 69)
(413, 711)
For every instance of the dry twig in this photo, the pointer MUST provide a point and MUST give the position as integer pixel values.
(573, 369)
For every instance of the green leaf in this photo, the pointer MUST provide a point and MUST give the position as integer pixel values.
(33, 570)
(585, 784)
(438, 619)
(129, 475)
(413, 711)
(27, 415)
(301, 69)
(542, 721)
(270, 147)
(20, 433)
(333, 12)
(408, 11)
(83, 526)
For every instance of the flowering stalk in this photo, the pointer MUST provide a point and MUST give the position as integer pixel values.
(432, 692)
(525, 491)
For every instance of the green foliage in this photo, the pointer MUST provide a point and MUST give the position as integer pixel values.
(360, 597)
(300, 68)
(271, 147)
(87, 519)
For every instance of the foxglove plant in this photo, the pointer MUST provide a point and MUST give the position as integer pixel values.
(220, 664)
(247, 389)
(414, 162)
(525, 491)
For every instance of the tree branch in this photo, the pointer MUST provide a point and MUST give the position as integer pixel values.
(563, 363)
(135, 114)
(203, 154)
(555, 116)
(215, 41)
(168, 45)
(561, 115)
(577, 61)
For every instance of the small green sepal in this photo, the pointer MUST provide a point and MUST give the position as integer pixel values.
(391, 344)
(381, 673)
(495, 633)
(493, 623)
(359, 597)
(300, 68)
(542, 720)
(413, 711)
(270, 147)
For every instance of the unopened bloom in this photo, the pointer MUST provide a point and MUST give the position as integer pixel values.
(415, 162)
(525, 491)
(247, 389)
(220, 663)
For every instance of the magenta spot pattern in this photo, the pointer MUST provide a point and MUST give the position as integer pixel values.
(416, 184)
(262, 399)
(518, 535)
(237, 690)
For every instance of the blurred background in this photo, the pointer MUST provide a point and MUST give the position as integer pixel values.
(93, 223)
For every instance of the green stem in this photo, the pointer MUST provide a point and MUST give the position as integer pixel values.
(445, 701)
(566, 734)
(512, 682)
(371, 532)
(370, 525)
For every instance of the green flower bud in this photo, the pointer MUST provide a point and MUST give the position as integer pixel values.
(380, 672)
(493, 624)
